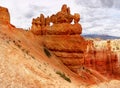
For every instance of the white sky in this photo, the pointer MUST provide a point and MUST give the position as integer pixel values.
(96, 17)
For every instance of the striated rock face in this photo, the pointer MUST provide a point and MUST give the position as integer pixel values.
(68, 48)
(103, 60)
(4, 15)
(62, 29)
(65, 41)
(62, 37)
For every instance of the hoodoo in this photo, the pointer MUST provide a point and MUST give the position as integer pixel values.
(61, 23)
(65, 41)
(62, 37)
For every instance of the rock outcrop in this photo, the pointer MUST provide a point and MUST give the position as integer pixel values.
(4, 15)
(65, 41)
(61, 23)
(62, 37)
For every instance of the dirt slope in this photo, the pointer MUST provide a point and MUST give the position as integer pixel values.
(25, 64)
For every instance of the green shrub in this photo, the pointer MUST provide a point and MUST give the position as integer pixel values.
(47, 52)
(63, 76)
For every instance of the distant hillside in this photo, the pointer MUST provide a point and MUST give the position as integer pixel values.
(101, 36)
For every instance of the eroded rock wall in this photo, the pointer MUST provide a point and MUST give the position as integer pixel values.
(64, 40)
(103, 60)
(62, 37)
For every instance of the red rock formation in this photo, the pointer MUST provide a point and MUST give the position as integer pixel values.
(62, 38)
(104, 61)
(4, 15)
(61, 23)
(64, 15)
(65, 41)
(76, 18)
(62, 29)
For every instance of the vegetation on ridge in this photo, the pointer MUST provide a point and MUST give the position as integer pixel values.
(47, 52)
(63, 76)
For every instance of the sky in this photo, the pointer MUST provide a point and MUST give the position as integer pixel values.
(97, 16)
